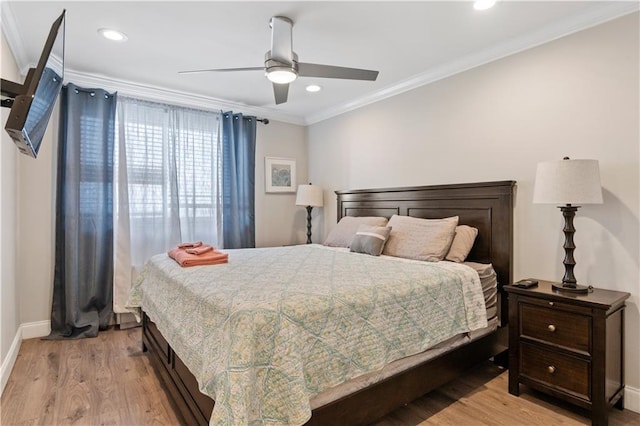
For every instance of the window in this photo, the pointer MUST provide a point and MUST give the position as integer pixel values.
(168, 180)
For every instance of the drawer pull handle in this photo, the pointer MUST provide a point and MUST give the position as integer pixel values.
(551, 328)
(551, 369)
(550, 303)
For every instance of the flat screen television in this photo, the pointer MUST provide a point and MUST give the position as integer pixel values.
(33, 101)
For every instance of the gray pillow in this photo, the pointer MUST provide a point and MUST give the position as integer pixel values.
(420, 239)
(344, 231)
(370, 239)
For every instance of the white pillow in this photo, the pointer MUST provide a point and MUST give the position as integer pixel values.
(344, 231)
(462, 243)
(420, 239)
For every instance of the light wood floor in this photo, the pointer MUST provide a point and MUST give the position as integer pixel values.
(109, 381)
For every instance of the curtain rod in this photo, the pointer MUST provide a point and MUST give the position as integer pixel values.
(264, 121)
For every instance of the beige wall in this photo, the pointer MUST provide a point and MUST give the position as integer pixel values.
(29, 231)
(278, 220)
(36, 227)
(9, 311)
(576, 96)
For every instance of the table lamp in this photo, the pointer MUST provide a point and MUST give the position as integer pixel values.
(309, 196)
(568, 182)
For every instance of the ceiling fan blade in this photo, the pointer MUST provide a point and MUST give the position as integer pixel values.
(222, 70)
(281, 44)
(281, 92)
(329, 71)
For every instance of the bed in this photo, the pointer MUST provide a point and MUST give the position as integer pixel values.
(487, 206)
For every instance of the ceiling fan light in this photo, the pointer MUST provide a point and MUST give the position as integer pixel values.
(281, 75)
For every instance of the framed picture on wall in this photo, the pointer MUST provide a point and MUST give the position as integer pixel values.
(279, 174)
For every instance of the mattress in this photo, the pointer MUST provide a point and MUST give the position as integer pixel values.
(274, 328)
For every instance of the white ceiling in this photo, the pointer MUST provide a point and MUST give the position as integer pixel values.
(410, 43)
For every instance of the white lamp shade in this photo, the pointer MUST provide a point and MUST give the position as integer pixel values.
(309, 195)
(568, 182)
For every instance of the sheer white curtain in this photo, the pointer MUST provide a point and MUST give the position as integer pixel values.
(168, 184)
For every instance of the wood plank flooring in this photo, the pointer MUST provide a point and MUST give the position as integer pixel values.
(109, 381)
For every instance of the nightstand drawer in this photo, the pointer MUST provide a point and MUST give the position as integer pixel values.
(555, 326)
(556, 370)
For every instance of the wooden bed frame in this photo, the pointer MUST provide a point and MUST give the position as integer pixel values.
(487, 206)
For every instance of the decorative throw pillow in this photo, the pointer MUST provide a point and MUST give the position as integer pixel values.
(370, 239)
(420, 239)
(462, 243)
(342, 234)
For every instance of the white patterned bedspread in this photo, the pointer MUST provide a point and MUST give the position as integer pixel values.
(275, 326)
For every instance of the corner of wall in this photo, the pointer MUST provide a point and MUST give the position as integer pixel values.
(9, 306)
(29, 330)
(10, 360)
(632, 399)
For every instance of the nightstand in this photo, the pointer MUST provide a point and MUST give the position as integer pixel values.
(570, 346)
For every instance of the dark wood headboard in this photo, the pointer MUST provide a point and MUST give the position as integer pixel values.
(487, 206)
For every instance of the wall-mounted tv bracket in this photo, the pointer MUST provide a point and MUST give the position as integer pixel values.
(11, 89)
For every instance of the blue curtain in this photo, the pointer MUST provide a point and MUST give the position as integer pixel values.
(83, 276)
(238, 180)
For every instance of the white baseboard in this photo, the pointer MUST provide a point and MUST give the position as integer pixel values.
(632, 399)
(31, 330)
(28, 330)
(10, 360)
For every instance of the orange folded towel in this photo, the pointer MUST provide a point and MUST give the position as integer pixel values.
(200, 250)
(210, 257)
(190, 245)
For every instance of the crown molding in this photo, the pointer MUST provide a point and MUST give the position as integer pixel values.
(559, 29)
(13, 37)
(175, 97)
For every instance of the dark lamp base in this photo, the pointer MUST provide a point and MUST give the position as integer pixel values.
(575, 289)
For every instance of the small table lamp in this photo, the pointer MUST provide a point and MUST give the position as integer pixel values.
(309, 196)
(568, 182)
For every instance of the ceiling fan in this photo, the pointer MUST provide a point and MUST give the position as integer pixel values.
(281, 64)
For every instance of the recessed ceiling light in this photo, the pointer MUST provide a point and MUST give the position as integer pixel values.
(483, 4)
(313, 88)
(112, 34)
